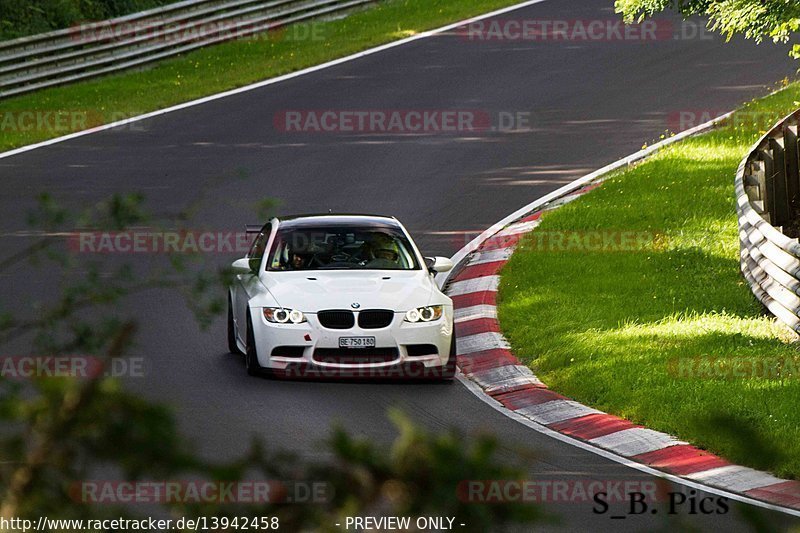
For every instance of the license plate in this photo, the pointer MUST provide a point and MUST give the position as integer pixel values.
(356, 342)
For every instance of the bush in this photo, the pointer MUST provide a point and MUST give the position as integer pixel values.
(27, 17)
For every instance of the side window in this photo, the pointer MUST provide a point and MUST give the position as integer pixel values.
(256, 252)
(277, 262)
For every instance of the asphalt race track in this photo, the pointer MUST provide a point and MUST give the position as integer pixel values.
(586, 103)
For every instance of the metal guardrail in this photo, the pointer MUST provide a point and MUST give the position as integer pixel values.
(94, 49)
(768, 204)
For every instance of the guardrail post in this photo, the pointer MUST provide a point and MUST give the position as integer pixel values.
(756, 187)
(765, 156)
(791, 153)
(782, 209)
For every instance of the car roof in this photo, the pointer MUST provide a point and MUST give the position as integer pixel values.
(300, 221)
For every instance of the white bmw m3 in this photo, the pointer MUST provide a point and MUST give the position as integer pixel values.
(340, 295)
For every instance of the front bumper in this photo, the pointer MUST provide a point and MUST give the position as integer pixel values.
(401, 348)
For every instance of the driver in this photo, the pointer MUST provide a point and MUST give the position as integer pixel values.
(382, 252)
(297, 261)
(294, 259)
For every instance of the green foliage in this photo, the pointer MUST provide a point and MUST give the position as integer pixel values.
(26, 17)
(755, 19)
(369, 480)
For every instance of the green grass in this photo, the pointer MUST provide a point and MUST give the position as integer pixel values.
(604, 327)
(231, 65)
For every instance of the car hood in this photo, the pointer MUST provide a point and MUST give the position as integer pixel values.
(312, 291)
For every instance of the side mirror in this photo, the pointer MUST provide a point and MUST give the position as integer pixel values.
(438, 264)
(241, 266)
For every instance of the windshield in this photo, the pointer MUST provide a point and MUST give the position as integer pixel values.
(341, 248)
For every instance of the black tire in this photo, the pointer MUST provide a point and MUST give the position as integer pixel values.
(251, 354)
(449, 369)
(233, 347)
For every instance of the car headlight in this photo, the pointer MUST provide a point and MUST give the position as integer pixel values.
(280, 315)
(424, 314)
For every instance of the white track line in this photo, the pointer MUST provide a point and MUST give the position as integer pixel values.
(468, 286)
(480, 342)
(519, 227)
(734, 477)
(556, 411)
(505, 377)
(465, 314)
(490, 256)
(270, 81)
(635, 441)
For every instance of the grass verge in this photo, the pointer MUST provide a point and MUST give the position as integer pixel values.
(664, 332)
(226, 66)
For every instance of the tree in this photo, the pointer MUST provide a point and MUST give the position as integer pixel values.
(755, 19)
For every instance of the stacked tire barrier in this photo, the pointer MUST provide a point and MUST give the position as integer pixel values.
(767, 200)
(94, 49)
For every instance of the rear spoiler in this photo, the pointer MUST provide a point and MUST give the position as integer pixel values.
(253, 228)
